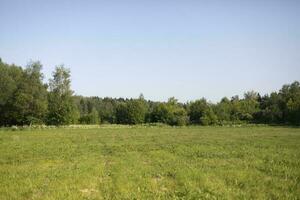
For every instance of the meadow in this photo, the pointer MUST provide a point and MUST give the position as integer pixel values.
(140, 162)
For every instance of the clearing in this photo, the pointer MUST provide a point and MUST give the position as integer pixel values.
(124, 162)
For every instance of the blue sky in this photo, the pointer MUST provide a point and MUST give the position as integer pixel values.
(188, 49)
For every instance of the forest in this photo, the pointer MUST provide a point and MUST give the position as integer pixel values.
(26, 99)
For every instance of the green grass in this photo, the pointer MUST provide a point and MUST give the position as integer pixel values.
(151, 163)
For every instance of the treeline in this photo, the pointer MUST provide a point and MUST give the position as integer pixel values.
(25, 100)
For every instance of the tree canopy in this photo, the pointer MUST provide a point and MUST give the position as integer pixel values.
(25, 99)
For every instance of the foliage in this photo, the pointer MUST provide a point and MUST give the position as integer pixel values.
(25, 100)
(131, 112)
(281, 107)
(223, 110)
(23, 96)
(91, 118)
(171, 113)
(61, 109)
(200, 112)
(208, 117)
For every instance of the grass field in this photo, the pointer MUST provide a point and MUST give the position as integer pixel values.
(117, 162)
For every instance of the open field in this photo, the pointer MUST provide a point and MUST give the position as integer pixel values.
(151, 163)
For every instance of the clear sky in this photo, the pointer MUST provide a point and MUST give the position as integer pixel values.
(161, 48)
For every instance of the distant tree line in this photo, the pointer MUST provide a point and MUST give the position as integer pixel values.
(25, 100)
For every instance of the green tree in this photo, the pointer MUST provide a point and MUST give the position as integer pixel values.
(201, 112)
(31, 96)
(177, 115)
(223, 110)
(208, 117)
(62, 109)
(172, 113)
(10, 79)
(131, 112)
(160, 113)
(122, 113)
(91, 118)
(290, 95)
(23, 98)
(107, 110)
(271, 109)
